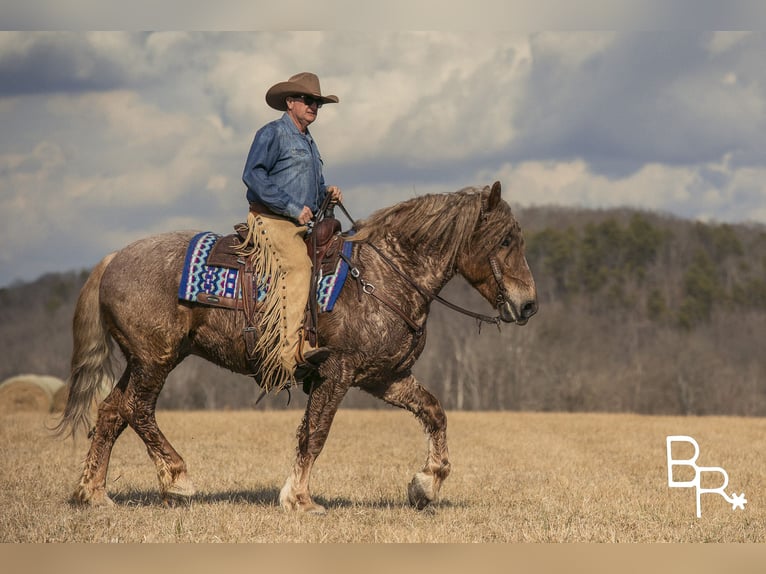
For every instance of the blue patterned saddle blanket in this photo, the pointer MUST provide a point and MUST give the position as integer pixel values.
(199, 280)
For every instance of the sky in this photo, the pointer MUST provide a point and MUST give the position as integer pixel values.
(107, 137)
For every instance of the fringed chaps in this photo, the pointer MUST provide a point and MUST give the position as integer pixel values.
(278, 251)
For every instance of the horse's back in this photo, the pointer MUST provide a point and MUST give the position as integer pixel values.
(151, 260)
(139, 288)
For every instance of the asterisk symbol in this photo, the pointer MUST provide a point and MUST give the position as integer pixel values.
(738, 501)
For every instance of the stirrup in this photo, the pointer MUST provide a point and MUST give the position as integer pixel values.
(309, 362)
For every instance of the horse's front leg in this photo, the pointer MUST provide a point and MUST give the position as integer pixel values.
(408, 394)
(312, 433)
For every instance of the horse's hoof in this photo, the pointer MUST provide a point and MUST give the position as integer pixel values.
(102, 501)
(304, 508)
(312, 508)
(292, 504)
(421, 490)
(98, 498)
(182, 487)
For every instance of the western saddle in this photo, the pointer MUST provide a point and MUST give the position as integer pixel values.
(324, 245)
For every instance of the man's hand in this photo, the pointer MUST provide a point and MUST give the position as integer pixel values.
(305, 216)
(335, 193)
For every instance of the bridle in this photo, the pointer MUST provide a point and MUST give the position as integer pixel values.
(431, 296)
(502, 295)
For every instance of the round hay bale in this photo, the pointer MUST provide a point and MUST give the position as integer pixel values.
(28, 393)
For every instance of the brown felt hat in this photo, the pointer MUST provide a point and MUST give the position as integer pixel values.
(304, 83)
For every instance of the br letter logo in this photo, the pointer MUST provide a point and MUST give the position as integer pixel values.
(697, 472)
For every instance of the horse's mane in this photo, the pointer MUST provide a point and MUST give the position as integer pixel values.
(442, 223)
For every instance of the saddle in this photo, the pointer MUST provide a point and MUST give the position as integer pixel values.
(324, 247)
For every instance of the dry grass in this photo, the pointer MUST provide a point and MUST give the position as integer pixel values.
(516, 477)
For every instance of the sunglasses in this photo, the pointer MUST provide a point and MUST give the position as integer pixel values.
(308, 100)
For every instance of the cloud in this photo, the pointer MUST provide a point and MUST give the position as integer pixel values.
(398, 94)
(711, 191)
(141, 169)
(640, 98)
(724, 41)
(50, 62)
(108, 137)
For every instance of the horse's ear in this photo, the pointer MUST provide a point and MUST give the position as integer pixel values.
(494, 196)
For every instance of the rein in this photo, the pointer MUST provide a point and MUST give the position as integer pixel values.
(430, 295)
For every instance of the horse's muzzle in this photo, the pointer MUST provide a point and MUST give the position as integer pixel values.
(509, 314)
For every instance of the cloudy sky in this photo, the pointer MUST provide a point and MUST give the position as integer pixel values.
(106, 137)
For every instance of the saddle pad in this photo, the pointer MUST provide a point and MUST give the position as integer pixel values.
(198, 277)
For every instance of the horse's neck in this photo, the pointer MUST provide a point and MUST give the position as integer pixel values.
(423, 235)
(427, 268)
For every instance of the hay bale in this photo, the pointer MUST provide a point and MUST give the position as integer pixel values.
(29, 393)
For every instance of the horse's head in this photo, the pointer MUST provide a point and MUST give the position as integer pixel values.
(495, 263)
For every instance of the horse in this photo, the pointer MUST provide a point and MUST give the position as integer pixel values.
(402, 256)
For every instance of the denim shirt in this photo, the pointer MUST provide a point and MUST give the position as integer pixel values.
(283, 170)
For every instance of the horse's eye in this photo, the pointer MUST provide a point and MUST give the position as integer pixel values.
(507, 240)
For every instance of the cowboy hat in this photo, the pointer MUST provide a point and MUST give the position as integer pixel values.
(304, 83)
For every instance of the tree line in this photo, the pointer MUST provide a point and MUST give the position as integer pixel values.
(639, 312)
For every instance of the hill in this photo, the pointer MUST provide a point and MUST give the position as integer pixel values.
(639, 312)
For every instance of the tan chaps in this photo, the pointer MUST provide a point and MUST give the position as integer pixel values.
(280, 253)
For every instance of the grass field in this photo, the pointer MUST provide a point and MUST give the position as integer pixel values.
(516, 477)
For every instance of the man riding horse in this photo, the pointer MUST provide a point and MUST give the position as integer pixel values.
(285, 188)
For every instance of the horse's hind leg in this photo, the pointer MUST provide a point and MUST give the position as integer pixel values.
(138, 408)
(109, 426)
(407, 393)
(130, 403)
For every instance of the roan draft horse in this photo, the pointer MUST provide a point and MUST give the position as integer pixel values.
(402, 257)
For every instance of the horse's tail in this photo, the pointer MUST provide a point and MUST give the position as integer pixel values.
(91, 369)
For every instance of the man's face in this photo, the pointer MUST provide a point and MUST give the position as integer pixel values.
(303, 110)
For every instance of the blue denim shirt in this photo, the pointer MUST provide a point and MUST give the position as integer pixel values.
(283, 170)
